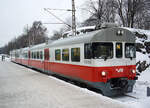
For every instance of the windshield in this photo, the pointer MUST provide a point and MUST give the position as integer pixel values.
(130, 50)
(102, 50)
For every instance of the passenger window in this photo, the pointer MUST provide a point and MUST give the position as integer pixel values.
(41, 55)
(119, 50)
(87, 51)
(34, 55)
(75, 54)
(65, 54)
(58, 54)
(38, 55)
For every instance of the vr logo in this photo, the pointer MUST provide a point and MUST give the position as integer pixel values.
(119, 70)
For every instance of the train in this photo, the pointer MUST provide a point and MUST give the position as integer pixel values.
(103, 59)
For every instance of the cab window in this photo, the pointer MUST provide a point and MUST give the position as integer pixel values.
(102, 50)
(130, 50)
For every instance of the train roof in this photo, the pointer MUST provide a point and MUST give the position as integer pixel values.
(103, 35)
(42, 45)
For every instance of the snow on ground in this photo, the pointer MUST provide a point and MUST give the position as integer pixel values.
(103, 100)
(25, 88)
(142, 57)
(6, 58)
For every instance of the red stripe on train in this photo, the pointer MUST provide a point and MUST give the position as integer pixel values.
(93, 74)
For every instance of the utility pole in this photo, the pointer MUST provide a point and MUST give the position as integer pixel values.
(62, 22)
(73, 18)
(28, 35)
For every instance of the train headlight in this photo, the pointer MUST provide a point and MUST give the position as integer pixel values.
(120, 32)
(133, 71)
(103, 73)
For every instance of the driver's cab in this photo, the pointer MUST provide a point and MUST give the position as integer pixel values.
(110, 53)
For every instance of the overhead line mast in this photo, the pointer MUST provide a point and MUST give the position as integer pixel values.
(63, 22)
(73, 18)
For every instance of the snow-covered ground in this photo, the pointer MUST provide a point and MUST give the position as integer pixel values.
(6, 58)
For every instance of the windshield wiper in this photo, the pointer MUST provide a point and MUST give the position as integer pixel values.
(105, 57)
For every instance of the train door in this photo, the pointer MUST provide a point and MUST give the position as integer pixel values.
(46, 60)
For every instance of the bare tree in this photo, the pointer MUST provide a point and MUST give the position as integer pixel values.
(132, 12)
(36, 32)
(101, 11)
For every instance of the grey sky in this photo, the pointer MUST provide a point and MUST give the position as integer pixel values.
(16, 14)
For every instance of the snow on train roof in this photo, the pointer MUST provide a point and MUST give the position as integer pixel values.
(42, 45)
(99, 35)
(103, 35)
(82, 28)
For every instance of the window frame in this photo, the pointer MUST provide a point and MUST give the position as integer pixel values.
(125, 50)
(67, 53)
(59, 55)
(86, 50)
(41, 55)
(121, 50)
(78, 59)
(93, 54)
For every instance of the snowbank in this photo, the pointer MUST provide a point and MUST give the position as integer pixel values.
(145, 76)
(142, 57)
(6, 58)
(145, 103)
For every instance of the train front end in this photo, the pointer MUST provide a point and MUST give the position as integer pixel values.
(114, 59)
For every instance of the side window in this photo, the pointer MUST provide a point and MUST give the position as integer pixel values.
(38, 55)
(87, 51)
(57, 54)
(34, 55)
(41, 55)
(65, 54)
(75, 54)
(118, 50)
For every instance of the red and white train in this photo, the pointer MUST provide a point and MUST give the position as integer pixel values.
(103, 59)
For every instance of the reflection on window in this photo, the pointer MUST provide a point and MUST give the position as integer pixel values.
(58, 54)
(102, 50)
(130, 50)
(119, 50)
(75, 54)
(65, 54)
